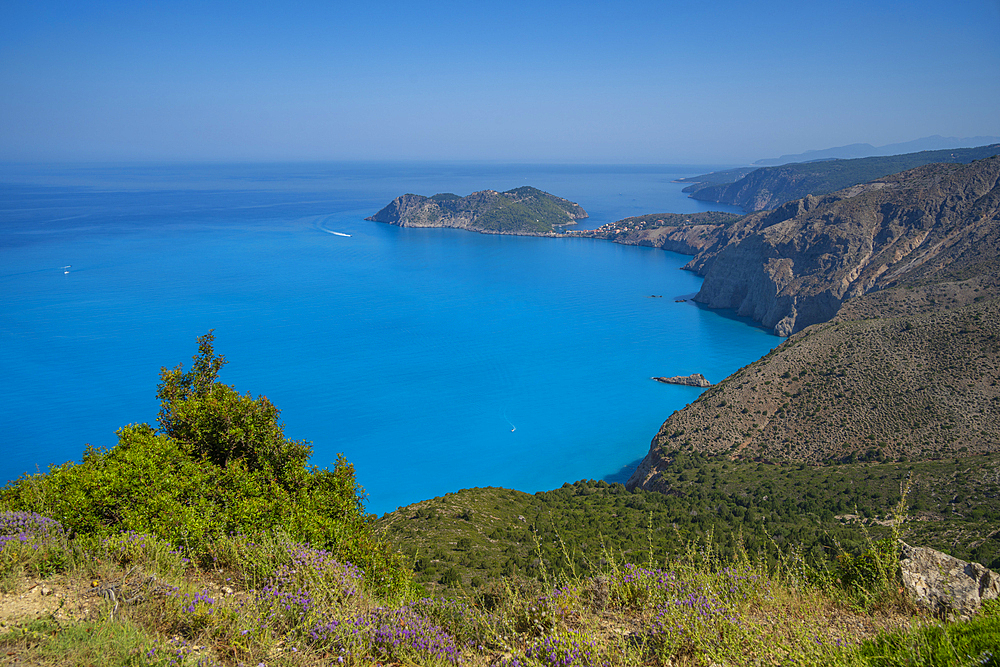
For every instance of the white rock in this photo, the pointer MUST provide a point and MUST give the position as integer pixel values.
(944, 584)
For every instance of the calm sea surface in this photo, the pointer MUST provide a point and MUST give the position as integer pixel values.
(433, 359)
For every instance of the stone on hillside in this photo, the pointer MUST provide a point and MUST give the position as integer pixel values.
(944, 584)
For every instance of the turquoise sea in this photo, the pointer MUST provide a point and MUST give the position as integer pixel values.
(434, 359)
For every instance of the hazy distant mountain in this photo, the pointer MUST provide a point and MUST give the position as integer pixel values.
(769, 187)
(934, 143)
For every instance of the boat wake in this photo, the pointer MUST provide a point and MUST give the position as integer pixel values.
(512, 427)
(320, 227)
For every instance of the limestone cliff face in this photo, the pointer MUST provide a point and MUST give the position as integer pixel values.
(794, 266)
(686, 234)
(900, 280)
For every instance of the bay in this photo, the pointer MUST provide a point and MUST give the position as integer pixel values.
(433, 359)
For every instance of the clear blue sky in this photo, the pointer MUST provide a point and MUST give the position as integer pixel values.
(668, 82)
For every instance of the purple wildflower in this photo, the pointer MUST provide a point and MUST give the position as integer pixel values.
(28, 527)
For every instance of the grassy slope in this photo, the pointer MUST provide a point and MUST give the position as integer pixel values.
(134, 601)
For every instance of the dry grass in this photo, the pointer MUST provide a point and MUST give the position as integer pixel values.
(141, 607)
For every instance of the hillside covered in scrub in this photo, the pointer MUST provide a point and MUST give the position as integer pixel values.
(470, 537)
(524, 210)
(887, 379)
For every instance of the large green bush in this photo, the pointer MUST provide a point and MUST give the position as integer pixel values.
(213, 421)
(219, 465)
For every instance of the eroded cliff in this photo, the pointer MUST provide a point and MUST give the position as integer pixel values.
(794, 266)
(900, 282)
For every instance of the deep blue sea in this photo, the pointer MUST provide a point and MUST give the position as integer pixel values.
(434, 359)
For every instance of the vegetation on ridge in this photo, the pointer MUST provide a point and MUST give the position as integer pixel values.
(132, 600)
(523, 210)
(473, 536)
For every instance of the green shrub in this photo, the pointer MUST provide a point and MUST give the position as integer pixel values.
(220, 466)
(870, 576)
(212, 421)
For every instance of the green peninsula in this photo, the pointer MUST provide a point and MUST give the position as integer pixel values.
(525, 211)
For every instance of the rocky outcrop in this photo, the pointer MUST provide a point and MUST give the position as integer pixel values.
(695, 380)
(524, 210)
(795, 266)
(686, 234)
(945, 585)
(684, 240)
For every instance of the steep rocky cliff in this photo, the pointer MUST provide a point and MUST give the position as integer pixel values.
(794, 266)
(524, 210)
(908, 268)
(683, 233)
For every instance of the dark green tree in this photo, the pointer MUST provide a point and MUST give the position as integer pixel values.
(212, 420)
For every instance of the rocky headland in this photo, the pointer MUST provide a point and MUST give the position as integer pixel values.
(683, 233)
(525, 211)
(891, 293)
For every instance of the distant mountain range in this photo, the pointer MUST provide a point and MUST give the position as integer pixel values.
(763, 188)
(934, 143)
